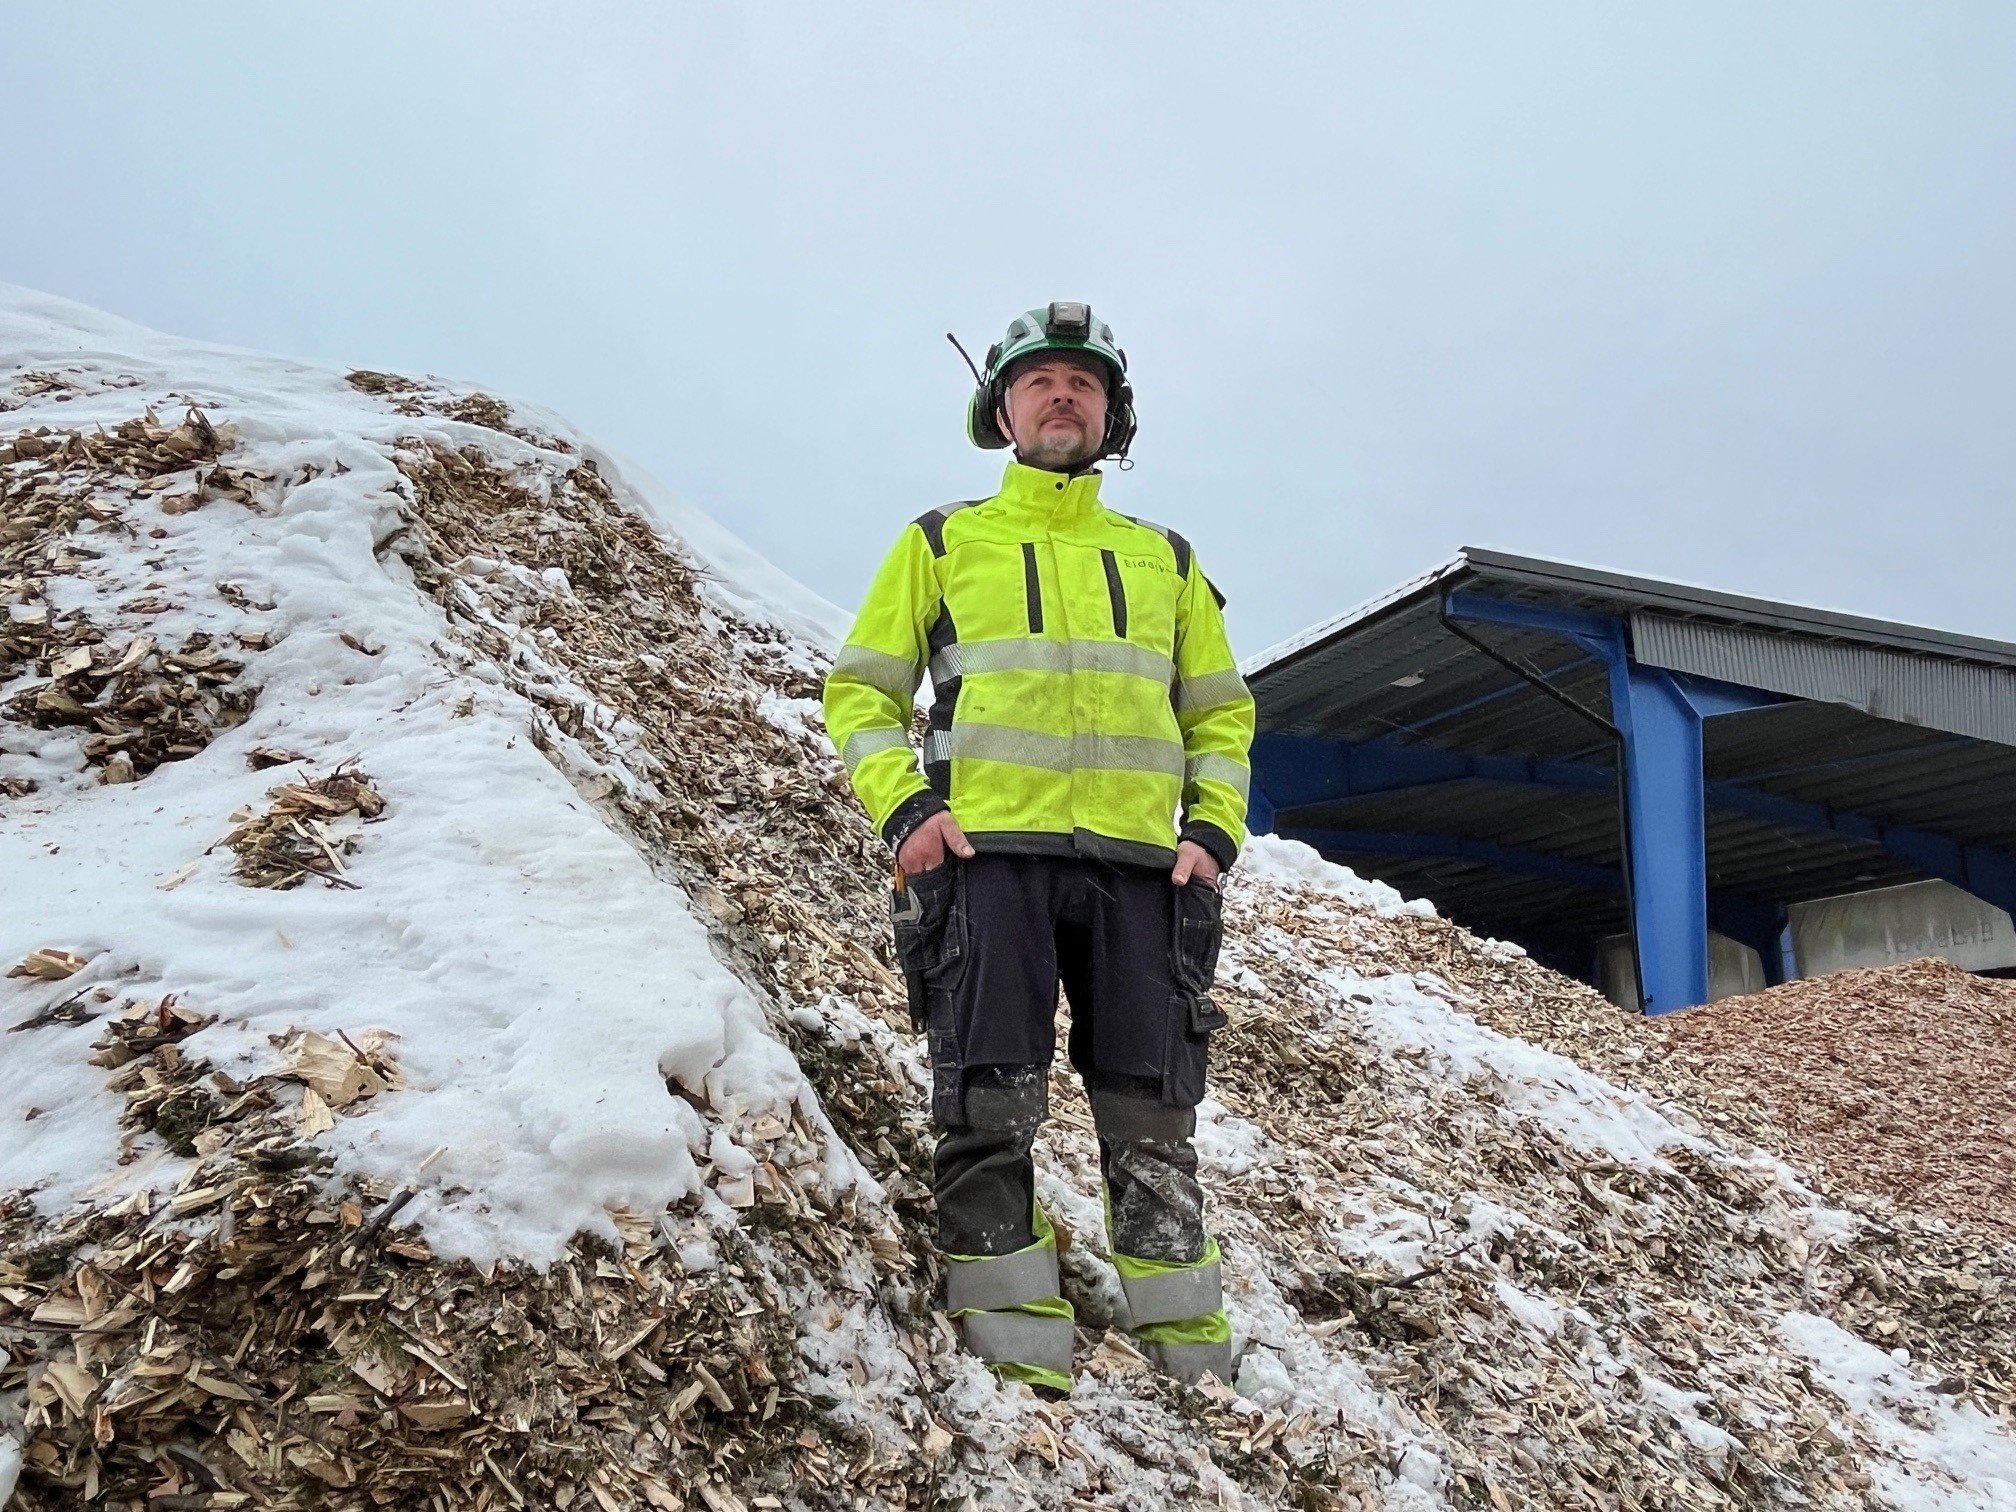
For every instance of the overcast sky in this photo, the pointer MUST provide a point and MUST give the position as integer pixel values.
(1724, 293)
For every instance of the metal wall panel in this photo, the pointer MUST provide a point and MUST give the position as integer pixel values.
(1964, 698)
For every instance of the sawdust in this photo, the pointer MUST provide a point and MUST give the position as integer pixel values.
(1900, 1081)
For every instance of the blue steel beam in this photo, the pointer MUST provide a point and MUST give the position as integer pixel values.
(1658, 716)
(1760, 925)
(1511, 858)
(1602, 636)
(1983, 870)
(1665, 795)
(1302, 769)
(1298, 771)
(1751, 920)
(1259, 806)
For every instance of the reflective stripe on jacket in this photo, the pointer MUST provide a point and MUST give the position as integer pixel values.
(1084, 690)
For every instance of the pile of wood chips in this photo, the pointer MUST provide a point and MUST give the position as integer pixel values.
(1687, 1265)
(765, 836)
(260, 1337)
(485, 411)
(1900, 1081)
(141, 702)
(291, 841)
(281, 1343)
(657, 716)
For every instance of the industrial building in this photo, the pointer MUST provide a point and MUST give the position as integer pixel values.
(1671, 793)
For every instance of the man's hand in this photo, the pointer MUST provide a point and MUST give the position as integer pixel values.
(1192, 860)
(925, 846)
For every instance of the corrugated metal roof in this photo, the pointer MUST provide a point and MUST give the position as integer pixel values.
(1965, 697)
(1911, 733)
(1627, 592)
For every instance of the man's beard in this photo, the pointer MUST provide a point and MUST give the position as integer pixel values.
(1058, 451)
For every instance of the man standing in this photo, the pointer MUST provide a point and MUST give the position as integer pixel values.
(1084, 694)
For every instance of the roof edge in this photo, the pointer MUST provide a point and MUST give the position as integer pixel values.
(1690, 598)
(1656, 594)
(1323, 632)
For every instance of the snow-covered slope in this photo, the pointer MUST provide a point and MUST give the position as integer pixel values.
(556, 1140)
(539, 980)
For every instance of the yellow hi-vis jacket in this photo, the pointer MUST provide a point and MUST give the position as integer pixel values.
(1084, 689)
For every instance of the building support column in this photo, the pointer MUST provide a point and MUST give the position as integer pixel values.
(1259, 812)
(1782, 964)
(1658, 717)
(1668, 854)
(1760, 925)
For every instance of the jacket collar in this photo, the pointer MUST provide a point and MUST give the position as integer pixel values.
(1031, 495)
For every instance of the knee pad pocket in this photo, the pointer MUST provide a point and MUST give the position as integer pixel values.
(1008, 1099)
(1123, 1118)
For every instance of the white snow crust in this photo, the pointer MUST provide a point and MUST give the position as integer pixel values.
(1953, 1455)
(1281, 860)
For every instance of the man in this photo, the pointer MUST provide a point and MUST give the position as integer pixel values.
(1084, 693)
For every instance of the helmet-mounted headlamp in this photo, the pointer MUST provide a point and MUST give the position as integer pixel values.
(1068, 320)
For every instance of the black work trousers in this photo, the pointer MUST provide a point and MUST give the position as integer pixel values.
(985, 944)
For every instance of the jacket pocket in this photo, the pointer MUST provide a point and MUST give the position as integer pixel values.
(930, 938)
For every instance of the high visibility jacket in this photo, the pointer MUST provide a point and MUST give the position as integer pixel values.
(1084, 690)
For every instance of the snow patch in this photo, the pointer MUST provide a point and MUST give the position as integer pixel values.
(1958, 1456)
(1290, 861)
(1410, 1013)
(1535, 1313)
(1684, 1407)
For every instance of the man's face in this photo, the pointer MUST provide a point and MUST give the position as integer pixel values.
(1056, 411)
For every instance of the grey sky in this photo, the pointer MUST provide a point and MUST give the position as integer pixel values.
(1716, 292)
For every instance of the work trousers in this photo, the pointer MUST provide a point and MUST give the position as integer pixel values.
(985, 944)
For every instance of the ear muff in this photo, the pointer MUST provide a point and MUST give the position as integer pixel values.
(981, 427)
(1121, 423)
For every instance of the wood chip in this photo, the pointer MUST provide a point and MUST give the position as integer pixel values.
(49, 964)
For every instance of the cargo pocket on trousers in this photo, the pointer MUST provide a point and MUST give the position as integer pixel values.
(930, 945)
(1199, 930)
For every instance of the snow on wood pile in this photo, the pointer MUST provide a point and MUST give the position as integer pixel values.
(144, 703)
(1896, 1080)
(557, 1140)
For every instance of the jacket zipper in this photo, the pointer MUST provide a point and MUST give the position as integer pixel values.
(1033, 585)
(1117, 592)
